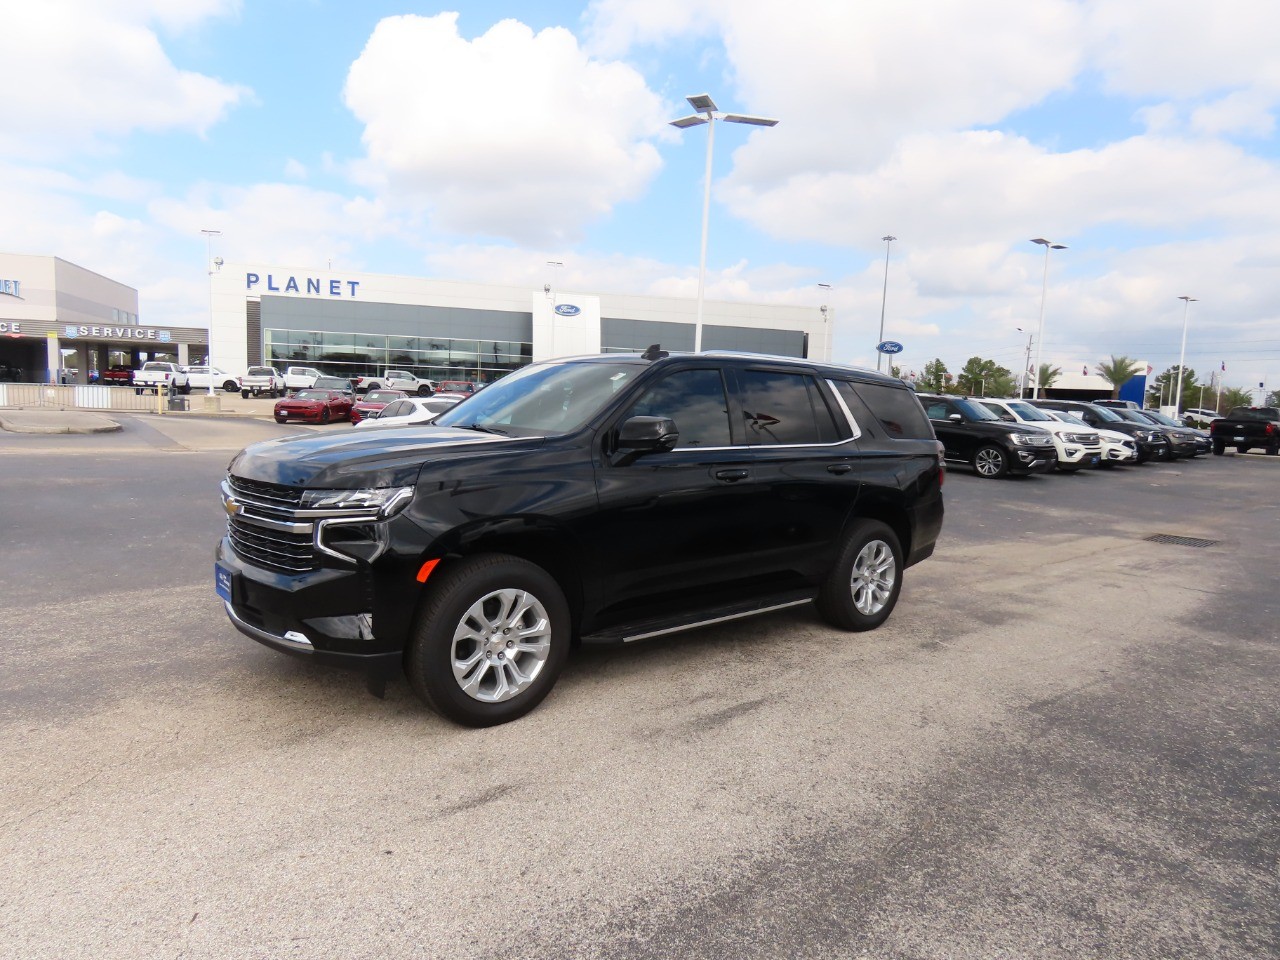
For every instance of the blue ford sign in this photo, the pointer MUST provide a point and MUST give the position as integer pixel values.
(889, 346)
(567, 310)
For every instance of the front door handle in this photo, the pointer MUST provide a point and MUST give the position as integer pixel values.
(732, 476)
(839, 469)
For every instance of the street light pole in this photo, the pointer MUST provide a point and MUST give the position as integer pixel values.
(708, 114)
(884, 295)
(1044, 289)
(826, 324)
(1182, 357)
(1026, 364)
(208, 264)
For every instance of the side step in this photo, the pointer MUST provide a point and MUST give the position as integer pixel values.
(647, 629)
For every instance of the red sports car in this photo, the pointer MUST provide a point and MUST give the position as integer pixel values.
(319, 406)
(373, 402)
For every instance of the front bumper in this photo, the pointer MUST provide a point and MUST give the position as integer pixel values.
(325, 615)
(1032, 459)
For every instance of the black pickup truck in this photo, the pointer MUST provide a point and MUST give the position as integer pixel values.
(1245, 428)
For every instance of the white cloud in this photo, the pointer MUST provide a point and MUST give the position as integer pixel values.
(81, 73)
(512, 134)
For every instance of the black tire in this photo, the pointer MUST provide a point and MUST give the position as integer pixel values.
(1069, 467)
(862, 588)
(282, 419)
(231, 386)
(1242, 449)
(424, 391)
(186, 388)
(455, 592)
(244, 394)
(1219, 448)
(1273, 451)
(990, 461)
(324, 415)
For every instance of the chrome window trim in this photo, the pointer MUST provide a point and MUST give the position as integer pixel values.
(853, 424)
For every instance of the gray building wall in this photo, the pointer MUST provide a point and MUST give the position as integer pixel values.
(407, 320)
(628, 334)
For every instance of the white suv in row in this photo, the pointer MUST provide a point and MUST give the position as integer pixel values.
(1077, 446)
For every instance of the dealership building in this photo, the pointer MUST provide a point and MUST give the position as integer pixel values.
(60, 321)
(351, 324)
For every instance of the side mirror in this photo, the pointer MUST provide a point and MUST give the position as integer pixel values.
(648, 435)
(955, 418)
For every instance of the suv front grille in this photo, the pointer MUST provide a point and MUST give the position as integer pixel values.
(274, 549)
(268, 494)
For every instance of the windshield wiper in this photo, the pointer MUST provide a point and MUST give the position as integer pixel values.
(494, 430)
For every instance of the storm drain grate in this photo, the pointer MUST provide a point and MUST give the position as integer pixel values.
(1180, 541)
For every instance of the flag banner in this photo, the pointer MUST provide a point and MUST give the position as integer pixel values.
(1224, 366)
(1086, 371)
(1149, 369)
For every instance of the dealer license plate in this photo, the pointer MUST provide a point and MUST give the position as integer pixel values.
(222, 581)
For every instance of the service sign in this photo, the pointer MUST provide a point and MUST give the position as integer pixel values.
(889, 346)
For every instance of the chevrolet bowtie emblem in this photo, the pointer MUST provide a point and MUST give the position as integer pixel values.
(232, 507)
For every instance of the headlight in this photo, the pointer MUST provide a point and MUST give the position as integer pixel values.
(386, 500)
(1026, 439)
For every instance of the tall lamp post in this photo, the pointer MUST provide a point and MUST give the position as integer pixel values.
(707, 113)
(826, 323)
(1044, 289)
(1026, 364)
(208, 264)
(884, 296)
(1182, 357)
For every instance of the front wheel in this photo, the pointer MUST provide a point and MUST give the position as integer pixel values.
(863, 587)
(424, 391)
(324, 415)
(489, 641)
(231, 386)
(990, 461)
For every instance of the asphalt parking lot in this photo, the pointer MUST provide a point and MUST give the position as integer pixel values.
(1063, 744)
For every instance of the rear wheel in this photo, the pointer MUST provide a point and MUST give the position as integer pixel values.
(490, 640)
(424, 391)
(244, 394)
(990, 461)
(1242, 449)
(862, 589)
(1219, 448)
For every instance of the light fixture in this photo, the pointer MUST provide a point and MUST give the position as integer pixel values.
(1044, 289)
(706, 113)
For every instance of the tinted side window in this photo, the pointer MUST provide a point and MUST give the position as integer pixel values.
(940, 410)
(784, 408)
(397, 408)
(898, 410)
(695, 400)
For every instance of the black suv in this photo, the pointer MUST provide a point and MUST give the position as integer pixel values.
(974, 435)
(600, 499)
(1152, 443)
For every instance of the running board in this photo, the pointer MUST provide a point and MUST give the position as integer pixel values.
(648, 629)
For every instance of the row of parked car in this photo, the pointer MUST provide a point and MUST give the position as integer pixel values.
(999, 437)
(384, 407)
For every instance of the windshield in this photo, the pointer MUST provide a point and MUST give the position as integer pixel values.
(260, 372)
(543, 398)
(1161, 418)
(382, 396)
(1027, 412)
(155, 366)
(1066, 416)
(1133, 416)
(1106, 414)
(312, 395)
(974, 410)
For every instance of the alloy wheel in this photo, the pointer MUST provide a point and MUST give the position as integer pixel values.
(874, 574)
(500, 645)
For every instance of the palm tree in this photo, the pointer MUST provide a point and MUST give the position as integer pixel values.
(1118, 372)
(1049, 375)
(1235, 397)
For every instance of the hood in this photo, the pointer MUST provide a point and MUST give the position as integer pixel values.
(347, 459)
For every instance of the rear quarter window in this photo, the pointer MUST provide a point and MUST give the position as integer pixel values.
(895, 409)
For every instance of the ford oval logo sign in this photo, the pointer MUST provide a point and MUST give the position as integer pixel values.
(889, 346)
(567, 310)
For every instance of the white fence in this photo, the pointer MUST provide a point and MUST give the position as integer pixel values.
(76, 397)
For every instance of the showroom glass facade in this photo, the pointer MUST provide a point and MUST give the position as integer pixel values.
(364, 339)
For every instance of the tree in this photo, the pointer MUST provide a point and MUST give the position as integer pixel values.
(1118, 371)
(934, 379)
(1049, 375)
(1273, 399)
(1235, 397)
(1161, 391)
(986, 378)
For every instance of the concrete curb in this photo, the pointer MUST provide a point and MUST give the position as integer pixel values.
(55, 423)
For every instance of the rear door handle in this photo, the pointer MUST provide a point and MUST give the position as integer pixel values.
(839, 468)
(732, 476)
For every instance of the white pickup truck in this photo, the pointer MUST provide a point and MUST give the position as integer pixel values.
(260, 380)
(300, 378)
(155, 374)
(396, 380)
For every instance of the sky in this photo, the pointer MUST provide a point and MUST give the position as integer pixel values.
(477, 141)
